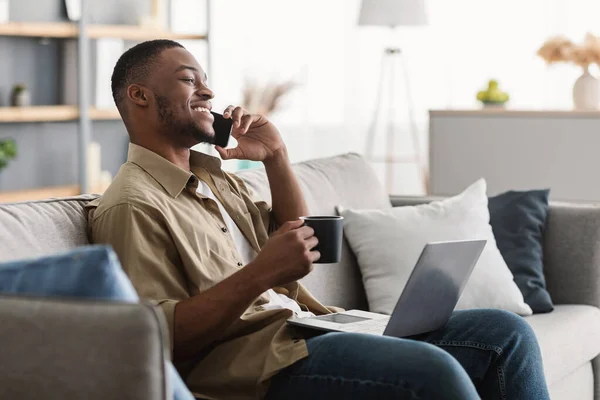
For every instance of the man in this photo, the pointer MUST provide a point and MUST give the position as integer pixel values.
(192, 239)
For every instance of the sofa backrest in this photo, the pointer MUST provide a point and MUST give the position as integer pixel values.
(38, 228)
(348, 181)
(44, 227)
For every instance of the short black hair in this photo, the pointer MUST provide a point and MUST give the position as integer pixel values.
(135, 64)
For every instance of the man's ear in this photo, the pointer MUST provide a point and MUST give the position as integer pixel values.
(138, 94)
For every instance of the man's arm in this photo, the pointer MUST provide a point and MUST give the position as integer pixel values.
(150, 259)
(259, 140)
(200, 320)
(287, 199)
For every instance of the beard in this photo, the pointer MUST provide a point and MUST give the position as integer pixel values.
(177, 127)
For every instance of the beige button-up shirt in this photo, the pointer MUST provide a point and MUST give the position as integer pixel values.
(173, 244)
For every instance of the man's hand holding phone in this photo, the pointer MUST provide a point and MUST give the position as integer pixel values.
(258, 139)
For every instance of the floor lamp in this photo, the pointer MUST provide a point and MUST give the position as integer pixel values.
(393, 13)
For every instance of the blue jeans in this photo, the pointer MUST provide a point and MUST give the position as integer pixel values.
(489, 354)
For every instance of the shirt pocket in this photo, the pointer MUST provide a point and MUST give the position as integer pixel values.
(201, 235)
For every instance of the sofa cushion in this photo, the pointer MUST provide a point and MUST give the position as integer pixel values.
(90, 272)
(42, 227)
(569, 338)
(327, 183)
(578, 385)
(518, 219)
(388, 245)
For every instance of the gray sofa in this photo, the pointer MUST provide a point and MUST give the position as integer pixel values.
(51, 348)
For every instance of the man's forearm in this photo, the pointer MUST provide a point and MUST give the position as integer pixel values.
(201, 320)
(287, 198)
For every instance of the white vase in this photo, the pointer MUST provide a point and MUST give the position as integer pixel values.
(586, 92)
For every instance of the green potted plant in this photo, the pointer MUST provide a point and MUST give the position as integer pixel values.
(20, 96)
(8, 151)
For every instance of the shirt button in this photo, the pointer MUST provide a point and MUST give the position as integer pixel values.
(240, 264)
(224, 229)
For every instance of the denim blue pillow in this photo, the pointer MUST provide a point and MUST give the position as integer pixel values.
(92, 272)
(518, 219)
(88, 272)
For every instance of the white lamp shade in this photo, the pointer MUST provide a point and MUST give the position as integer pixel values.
(392, 12)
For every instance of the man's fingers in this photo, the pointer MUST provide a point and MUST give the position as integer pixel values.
(291, 225)
(288, 226)
(306, 232)
(228, 111)
(222, 152)
(228, 154)
(246, 122)
(315, 256)
(236, 116)
(312, 242)
(241, 119)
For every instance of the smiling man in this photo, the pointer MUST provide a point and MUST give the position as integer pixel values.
(224, 267)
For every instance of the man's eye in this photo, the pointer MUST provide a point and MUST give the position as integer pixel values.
(191, 80)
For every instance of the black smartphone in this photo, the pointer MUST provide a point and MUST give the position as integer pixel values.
(222, 127)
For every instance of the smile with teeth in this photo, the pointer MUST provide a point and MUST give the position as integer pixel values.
(201, 109)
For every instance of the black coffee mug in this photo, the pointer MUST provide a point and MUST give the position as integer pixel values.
(329, 230)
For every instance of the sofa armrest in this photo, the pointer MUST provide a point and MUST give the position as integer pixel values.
(571, 250)
(572, 253)
(59, 349)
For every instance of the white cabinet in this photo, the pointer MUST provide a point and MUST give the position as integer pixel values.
(516, 150)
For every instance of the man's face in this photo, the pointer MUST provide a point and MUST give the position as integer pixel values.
(182, 99)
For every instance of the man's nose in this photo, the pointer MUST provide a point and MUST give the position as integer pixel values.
(205, 93)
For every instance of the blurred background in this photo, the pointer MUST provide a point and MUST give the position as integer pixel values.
(318, 68)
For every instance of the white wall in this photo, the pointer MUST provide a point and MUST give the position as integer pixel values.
(317, 42)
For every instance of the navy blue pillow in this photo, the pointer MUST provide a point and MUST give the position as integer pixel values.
(518, 220)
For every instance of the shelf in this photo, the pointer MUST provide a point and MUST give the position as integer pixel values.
(70, 30)
(104, 114)
(45, 193)
(39, 29)
(52, 114)
(129, 32)
(38, 114)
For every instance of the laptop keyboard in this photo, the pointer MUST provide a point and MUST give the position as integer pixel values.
(373, 326)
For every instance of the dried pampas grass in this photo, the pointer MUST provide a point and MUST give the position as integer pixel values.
(560, 49)
(264, 99)
(556, 49)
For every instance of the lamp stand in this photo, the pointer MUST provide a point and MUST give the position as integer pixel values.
(391, 57)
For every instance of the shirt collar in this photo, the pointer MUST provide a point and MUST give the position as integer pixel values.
(172, 178)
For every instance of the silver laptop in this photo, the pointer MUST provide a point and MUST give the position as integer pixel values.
(427, 301)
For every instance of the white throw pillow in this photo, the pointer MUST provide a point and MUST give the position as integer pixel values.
(387, 244)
